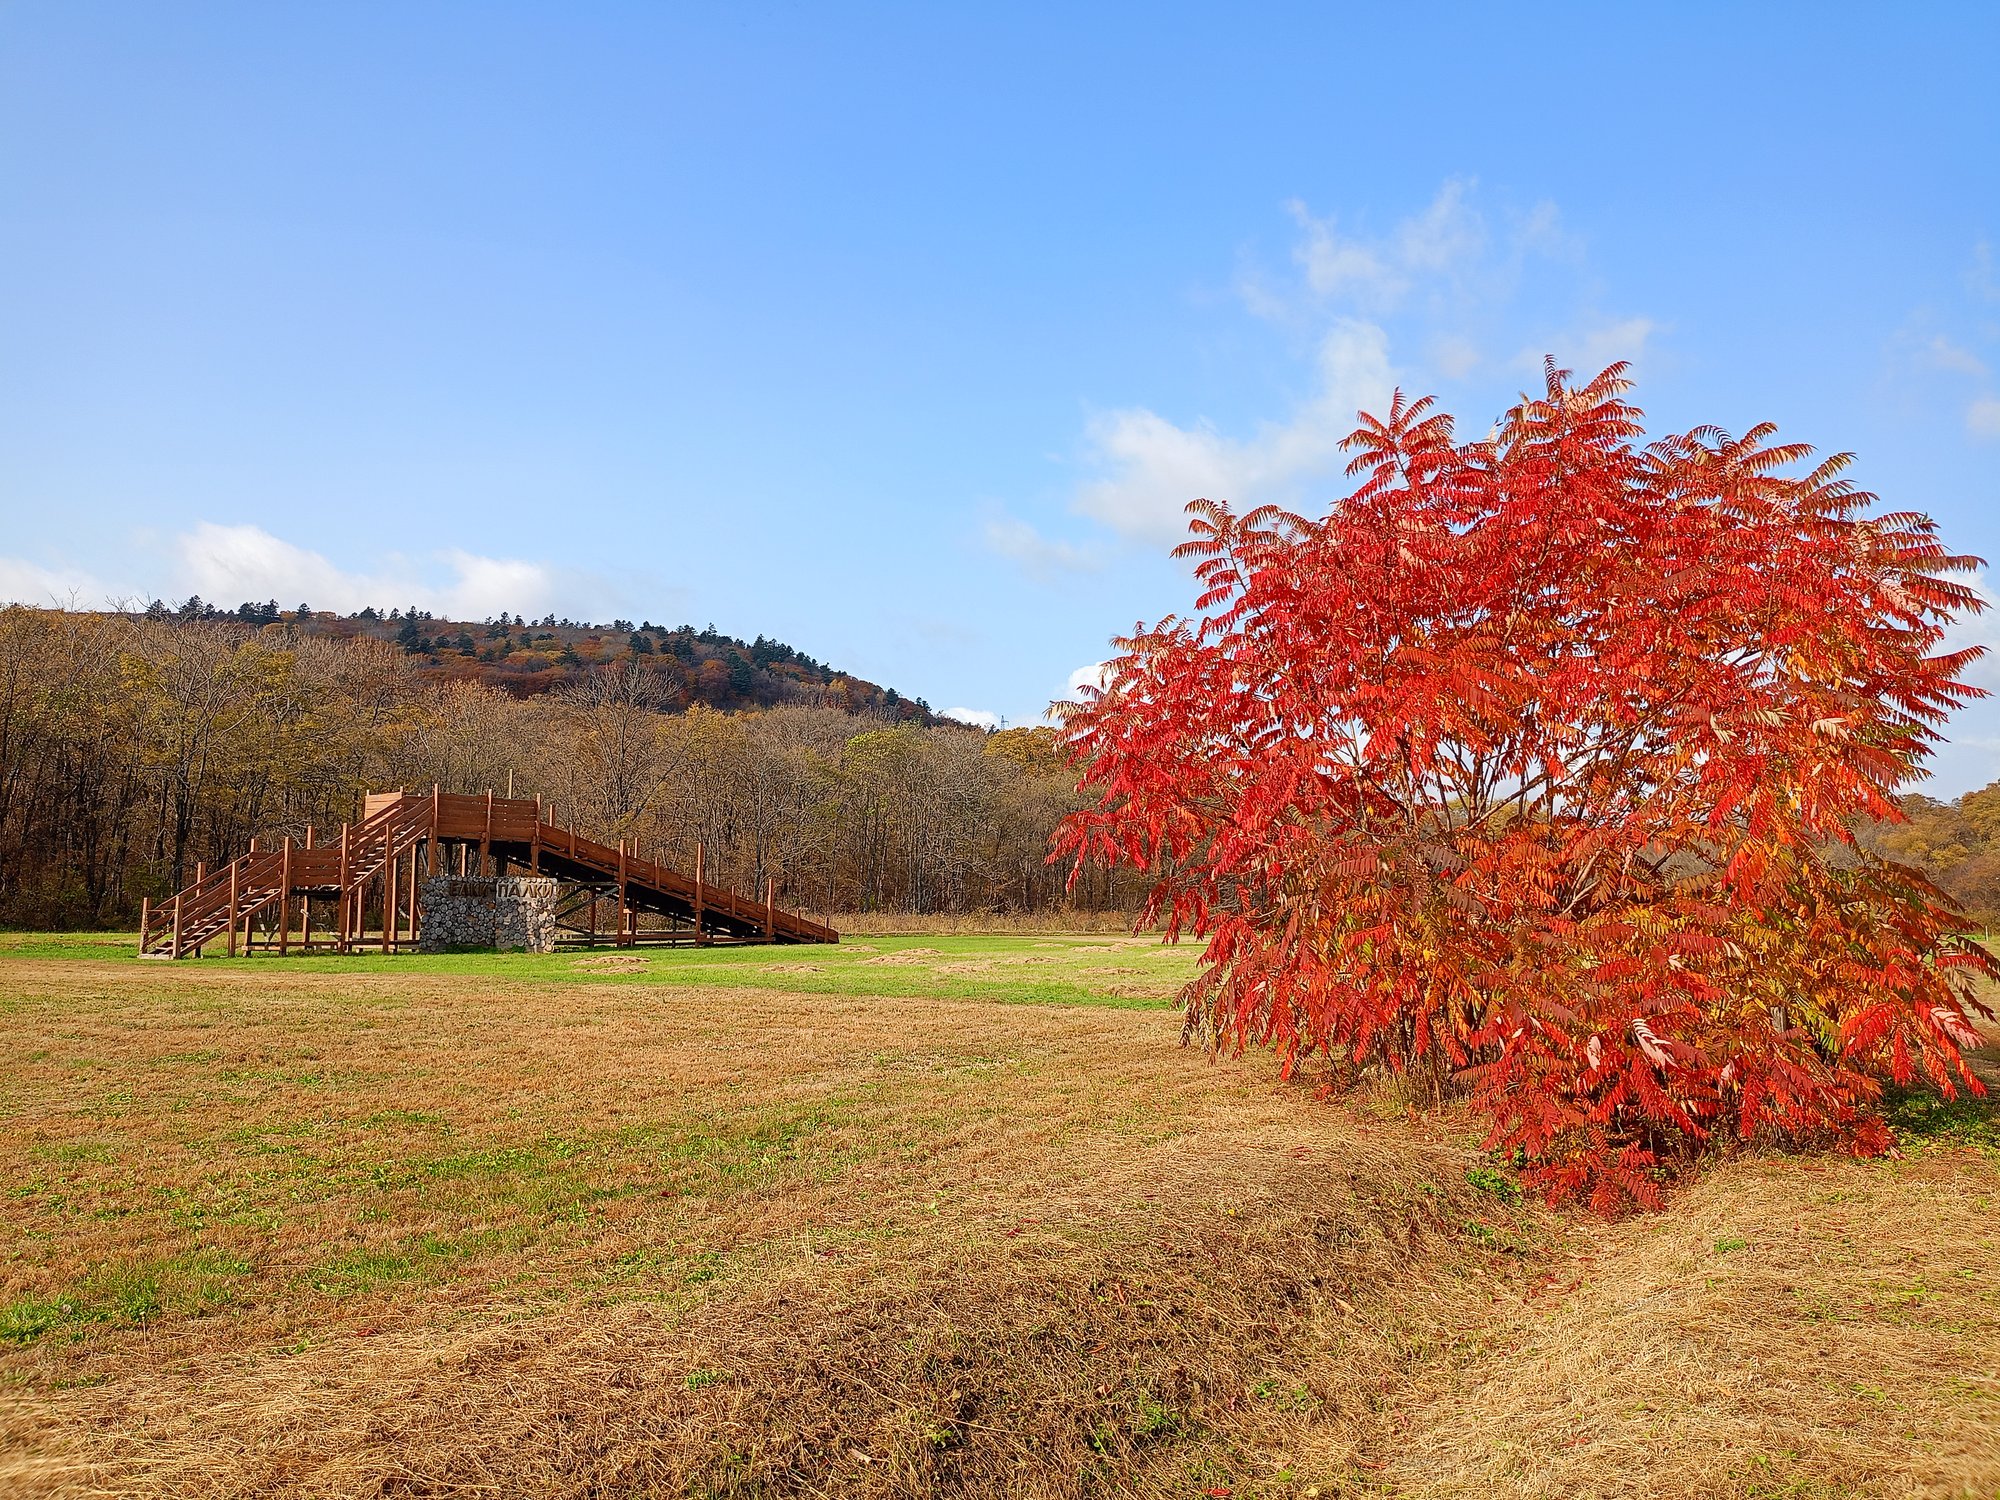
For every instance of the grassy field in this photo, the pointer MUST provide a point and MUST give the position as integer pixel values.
(1096, 969)
(913, 1216)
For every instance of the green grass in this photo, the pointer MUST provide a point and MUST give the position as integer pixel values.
(183, 1286)
(1922, 1117)
(1032, 969)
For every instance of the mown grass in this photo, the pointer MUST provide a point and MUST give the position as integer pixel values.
(524, 1225)
(1048, 969)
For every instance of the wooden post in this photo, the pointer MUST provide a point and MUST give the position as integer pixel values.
(235, 870)
(145, 921)
(306, 906)
(535, 847)
(700, 938)
(345, 916)
(624, 909)
(175, 949)
(285, 898)
(437, 814)
(486, 838)
(413, 898)
(770, 908)
(390, 870)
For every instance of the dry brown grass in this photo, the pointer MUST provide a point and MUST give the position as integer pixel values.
(1789, 1328)
(377, 1234)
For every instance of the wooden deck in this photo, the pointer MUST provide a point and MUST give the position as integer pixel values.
(363, 885)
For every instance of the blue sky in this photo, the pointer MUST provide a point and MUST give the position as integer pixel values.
(903, 333)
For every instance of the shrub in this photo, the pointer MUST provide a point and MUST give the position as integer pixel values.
(1529, 770)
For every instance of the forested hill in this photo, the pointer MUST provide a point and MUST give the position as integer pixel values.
(526, 657)
(134, 749)
(1956, 844)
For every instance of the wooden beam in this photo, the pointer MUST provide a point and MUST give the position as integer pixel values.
(413, 896)
(486, 838)
(145, 921)
(285, 898)
(390, 870)
(699, 864)
(624, 909)
(345, 915)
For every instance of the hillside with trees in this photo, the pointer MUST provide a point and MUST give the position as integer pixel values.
(133, 747)
(1956, 844)
(524, 657)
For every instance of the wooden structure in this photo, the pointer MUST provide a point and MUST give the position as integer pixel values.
(363, 886)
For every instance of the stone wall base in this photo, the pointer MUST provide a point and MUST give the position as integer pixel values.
(515, 913)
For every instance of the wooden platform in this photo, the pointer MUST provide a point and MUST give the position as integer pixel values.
(362, 885)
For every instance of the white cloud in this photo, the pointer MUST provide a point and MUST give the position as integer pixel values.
(1439, 279)
(1454, 355)
(228, 564)
(1588, 350)
(1981, 629)
(978, 718)
(484, 586)
(1090, 674)
(1444, 236)
(1376, 274)
(1336, 267)
(1042, 556)
(1941, 353)
(1985, 285)
(1154, 467)
(1982, 418)
(23, 582)
(233, 563)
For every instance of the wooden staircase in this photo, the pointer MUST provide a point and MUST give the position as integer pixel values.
(375, 867)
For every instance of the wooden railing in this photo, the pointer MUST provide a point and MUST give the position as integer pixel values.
(393, 828)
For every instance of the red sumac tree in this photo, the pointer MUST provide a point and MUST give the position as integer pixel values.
(1530, 769)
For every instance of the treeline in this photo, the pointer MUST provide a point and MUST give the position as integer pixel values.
(132, 748)
(525, 657)
(1956, 844)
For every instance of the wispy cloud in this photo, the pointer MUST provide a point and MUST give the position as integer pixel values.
(229, 564)
(1440, 248)
(978, 718)
(1981, 278)
(1041, 556)
(1431, 300)
(1151, 467)
(1588, 349)
(1940, 353)
(1963, 351)
(24, 582)
(1982, 629)
(1090, 674)
(1438, 284)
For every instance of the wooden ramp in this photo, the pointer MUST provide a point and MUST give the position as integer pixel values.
(363, 886)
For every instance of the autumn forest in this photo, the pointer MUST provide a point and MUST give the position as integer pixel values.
(135, 745)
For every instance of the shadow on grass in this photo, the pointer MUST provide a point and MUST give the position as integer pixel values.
(1923, 1115)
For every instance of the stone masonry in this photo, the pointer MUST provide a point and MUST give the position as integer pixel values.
(484, 912)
